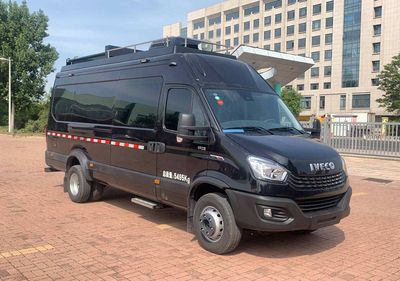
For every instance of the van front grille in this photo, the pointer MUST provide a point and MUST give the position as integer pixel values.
(318, 204)
(324, 182)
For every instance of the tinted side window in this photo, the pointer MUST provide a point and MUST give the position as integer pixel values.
(178, 101)
(198, 112)
(93, 103)
(231, 72)
(200, 118)
(136, 102)
(63, 99)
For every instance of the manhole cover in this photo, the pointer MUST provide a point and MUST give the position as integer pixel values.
(378, 180)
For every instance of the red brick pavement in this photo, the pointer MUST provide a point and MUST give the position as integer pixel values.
(44, 236)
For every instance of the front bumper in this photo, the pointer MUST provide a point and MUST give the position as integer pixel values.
(247, 206)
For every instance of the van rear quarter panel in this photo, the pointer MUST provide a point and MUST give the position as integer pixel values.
(64, 145)
(55, 144)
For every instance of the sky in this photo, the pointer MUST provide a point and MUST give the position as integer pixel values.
(83, 27)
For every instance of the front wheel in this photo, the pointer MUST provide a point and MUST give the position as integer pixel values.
(214, 224)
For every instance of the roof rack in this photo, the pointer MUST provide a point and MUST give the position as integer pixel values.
(114, 51)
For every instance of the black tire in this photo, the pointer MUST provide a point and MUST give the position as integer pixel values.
(230, 235)
(81, 192)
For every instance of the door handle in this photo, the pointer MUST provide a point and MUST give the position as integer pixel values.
(156, 147)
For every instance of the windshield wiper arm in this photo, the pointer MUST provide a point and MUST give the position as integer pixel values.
(286, 129)
(251, 129)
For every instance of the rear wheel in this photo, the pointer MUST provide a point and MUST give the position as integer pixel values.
(214, 224)
(79, 189)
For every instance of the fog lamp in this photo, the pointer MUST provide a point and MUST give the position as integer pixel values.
(273, 213)
(268, 212)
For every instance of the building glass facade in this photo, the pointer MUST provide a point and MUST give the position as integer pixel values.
(351, 43)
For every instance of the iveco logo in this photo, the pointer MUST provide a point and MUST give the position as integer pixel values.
(316, 167)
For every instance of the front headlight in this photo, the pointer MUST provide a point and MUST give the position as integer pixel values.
(344, 166)
(264, 169)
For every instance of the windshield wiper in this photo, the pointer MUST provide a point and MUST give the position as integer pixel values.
(256, 129)
(286, 129)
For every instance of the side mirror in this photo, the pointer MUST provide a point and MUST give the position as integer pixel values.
(187, 128)
(316, 124)
(185, 121)
(314, 133)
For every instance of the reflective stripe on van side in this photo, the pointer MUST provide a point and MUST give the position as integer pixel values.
(96, 140)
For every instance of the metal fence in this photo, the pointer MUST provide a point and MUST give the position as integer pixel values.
(306, 124)
(372, 138)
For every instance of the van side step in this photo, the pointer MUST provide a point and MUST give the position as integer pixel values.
(146, 203)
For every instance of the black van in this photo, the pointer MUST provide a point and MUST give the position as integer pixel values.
(179, 125)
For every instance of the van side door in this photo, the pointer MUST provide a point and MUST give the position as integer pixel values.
(134, 125)
(182, 161)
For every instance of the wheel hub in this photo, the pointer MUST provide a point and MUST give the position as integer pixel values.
(74, 184)
(211, 224)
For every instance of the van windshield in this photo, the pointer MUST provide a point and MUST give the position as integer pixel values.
(240, 110)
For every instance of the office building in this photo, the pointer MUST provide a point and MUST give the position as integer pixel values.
(349, 40)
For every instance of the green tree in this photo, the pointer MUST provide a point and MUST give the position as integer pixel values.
(292, 99)
(22, 35)
(389, 82)
(38, 122)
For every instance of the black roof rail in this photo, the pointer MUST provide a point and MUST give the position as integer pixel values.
(114, 51)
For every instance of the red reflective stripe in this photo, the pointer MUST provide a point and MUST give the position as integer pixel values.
(96, 140)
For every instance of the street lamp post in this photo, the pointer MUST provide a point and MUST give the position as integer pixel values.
(10, 109)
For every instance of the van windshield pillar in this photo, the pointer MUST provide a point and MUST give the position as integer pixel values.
(278, 88)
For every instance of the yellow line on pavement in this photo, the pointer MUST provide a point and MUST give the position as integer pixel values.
(26, 251)
(359, 194)
(164, 226)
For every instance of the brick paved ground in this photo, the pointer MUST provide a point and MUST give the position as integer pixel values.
(43, 235)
